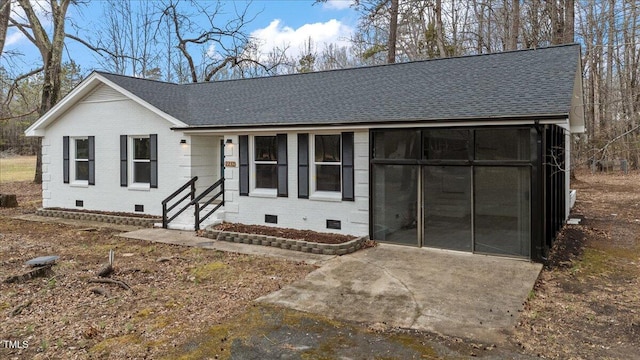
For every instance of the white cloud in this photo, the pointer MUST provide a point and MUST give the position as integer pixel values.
(42, 8)
(276, 35)
(337, 4)
(13, 38)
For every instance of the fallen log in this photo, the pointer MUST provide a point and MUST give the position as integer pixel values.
(100, 291)
(18, 309)
(111, 281)
(41, 271)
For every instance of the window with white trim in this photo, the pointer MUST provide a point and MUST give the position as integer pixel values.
(265, 160)
(81, 159)
(327, 164)
(141, 159)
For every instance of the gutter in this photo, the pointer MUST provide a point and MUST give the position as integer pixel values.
(365, 125)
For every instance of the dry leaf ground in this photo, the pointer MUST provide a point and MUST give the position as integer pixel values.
(189, 289)
(587, 300)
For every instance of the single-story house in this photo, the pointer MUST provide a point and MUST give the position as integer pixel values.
(468, 153)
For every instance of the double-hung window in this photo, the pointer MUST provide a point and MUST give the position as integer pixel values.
(78, 160)
(263, 165)
(81, 159)
(266, 162)
(141, 160)
(326, 166)
(327, 163)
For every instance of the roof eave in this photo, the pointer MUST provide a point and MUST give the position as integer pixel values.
(560, 118)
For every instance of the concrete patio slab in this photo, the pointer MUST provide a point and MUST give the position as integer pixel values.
(189, 238)
(456, 294)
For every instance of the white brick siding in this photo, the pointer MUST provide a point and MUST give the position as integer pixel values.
(298, 213)
(106, 115)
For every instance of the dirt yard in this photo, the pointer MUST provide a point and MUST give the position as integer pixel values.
(174, 290)
(586, 304)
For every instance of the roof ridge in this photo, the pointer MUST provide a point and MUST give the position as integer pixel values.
(355, 68)
(406, 63)
(134, 77)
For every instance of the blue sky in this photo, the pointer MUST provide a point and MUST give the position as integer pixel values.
(284, 23)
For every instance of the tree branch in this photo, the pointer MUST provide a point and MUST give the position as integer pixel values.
(14, 84)
(40, 38)
(23, 29)
(99, 49)
(610, 142)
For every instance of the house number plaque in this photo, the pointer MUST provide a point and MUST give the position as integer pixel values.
(230, 164)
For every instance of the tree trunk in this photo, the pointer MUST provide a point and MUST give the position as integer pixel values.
(440, 29)
(393, 32)
(515, 26)
(51, 53)
(5, 13)
(479, 13)
(607, 108)
(569, 22)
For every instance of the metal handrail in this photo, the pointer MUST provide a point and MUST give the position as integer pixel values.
(192, 192)
(199, 207)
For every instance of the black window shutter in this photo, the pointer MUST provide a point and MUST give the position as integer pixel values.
(153, 145)
(243, 144)
(283, 170)
(92, 160)
(303, 166)
(123, 160)
(347, 167)
(65, 159)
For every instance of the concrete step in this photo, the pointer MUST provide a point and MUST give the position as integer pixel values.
(186, 220)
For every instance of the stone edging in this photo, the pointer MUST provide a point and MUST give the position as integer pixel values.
(113, 219)
(290, 244)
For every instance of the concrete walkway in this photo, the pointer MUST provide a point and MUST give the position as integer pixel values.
(456, 294)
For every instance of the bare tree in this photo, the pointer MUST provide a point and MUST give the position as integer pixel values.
(439, 29)
(569, 21)
(514, 29)
(127, 38)
(221, 44)
(50, 48)
(393, 31)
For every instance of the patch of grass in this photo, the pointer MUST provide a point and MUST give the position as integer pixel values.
(105, 347)
(144, 313)
(19, 168)
(258, 321)
(207, 271)
(603, 261)
(593, 262)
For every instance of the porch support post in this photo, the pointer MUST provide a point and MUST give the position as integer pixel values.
(538, 248)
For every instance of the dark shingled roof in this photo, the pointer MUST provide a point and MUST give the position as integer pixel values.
(525, 83)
